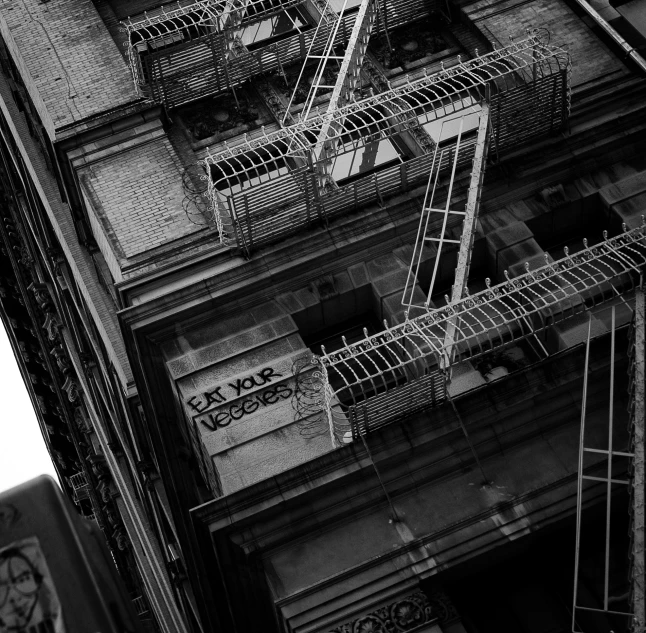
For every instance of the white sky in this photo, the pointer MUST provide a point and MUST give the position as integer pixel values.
(22, 449)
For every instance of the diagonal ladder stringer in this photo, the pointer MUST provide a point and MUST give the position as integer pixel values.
(473, 206)
(428, 233)
(470, 223)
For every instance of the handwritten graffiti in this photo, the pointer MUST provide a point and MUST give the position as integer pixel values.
(224, 417)
(200, 404)
(214, 417)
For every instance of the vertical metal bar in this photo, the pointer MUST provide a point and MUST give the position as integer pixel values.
(381, 200)
(366, 419)
(554, 81)
(638, 415)
(162, 84)
(211, 43)
(609, 484)
(498, 124)
(403, 176)
(579, 494)
(225, 64)
(308, 197)
(249, 246)
(564, 84)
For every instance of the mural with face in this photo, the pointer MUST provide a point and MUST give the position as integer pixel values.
(28, 600)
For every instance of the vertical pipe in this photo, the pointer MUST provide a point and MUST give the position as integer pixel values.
(628, 49)
(249, 245)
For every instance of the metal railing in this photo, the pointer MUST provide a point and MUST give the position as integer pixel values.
(180, 55)
(526, 85)
(497, 316)
(80, 487)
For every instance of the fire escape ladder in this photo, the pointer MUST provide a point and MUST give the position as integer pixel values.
(348, 77)
(428, 232)
(330, 22)
(423, 230)
(349, 64)
(608, 477)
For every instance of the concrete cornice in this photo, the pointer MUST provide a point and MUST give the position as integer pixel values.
(240, 284)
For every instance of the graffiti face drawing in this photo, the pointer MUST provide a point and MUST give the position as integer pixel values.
(28, 600)
(20, 583)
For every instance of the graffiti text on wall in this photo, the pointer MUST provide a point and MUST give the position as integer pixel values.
(233, 390)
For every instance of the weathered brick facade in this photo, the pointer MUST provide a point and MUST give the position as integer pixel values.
(70, 68)
(241, 484)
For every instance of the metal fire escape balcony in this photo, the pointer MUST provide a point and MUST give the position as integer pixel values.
(80, 487)
(268, 187)
(402, 370)
(179, 55)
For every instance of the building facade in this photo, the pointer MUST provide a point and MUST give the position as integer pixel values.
(305, 295)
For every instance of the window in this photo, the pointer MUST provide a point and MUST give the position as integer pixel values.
(448, 127)
(351, 161)
(362, 150)
(273, 28)
(351, 6)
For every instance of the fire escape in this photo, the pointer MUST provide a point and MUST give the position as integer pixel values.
(206, 47)
(604, 470)
(269, 186)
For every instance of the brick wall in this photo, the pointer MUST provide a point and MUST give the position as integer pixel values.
(136, 193)
(69, 62)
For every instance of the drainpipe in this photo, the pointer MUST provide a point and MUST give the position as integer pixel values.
(630, 50)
